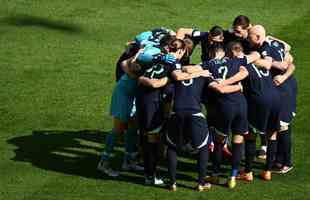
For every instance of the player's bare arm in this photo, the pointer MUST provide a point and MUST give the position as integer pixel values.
(152, 82)
(182, 32)
(224, 89)
(265, 63)
(179, 75)
(242, 74)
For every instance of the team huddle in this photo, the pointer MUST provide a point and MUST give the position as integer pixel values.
(245, 83)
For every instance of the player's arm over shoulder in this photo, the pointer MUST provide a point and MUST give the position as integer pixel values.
(225, 89)
(154, 83)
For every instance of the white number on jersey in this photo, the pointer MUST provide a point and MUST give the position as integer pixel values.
(188, 82)
(153, 71)
(223, 70)
(260, 72)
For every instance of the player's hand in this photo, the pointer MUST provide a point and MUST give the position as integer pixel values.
(219, 80)
(205, 73)
(168, 58)
(180, 53)
(241, 87)
(278, 80)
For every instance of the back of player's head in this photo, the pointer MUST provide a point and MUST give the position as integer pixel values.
(189, 46)
(215, 34)
(233, 47)
(257, 34)
(165, 41)
(242, 21)
(216, 31)
(175, 45)
(215, 48)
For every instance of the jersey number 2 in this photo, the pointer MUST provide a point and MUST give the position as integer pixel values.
(223, 71)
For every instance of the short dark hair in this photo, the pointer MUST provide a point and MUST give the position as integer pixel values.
(242, 21)
(216, 31)
(176, 44)
(214, 48)
(165, 40)
(233, 46)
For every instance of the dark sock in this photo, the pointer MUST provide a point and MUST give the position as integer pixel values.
(109, 145)
(148, 158)
(156, 156)
(217, 157)
(236, 156)
(250, 152)
(285, 146)
(289, 157)
(279, 155)
(263, 140)
(130, 142)
(271, 153)
(172, 164)
(202, 163)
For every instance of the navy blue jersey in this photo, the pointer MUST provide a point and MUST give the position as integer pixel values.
(277, 53)
(202, 38)
(275, 50)
(258, 84)
(223, 69)
(157, 71)
(188, 93)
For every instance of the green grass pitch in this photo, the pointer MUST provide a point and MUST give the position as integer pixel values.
(57, 61)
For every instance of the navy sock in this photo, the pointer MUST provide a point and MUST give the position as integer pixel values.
(151, 154)
(263, 139)
(130, 142)
(217, 157)
(279, 155)
(202, 163)
(285, 147)
(271, 153)
(236, 156)
(250, 152)
(289, 157)
(172, 164)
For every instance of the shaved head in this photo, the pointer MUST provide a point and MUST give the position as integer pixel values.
(257, 35)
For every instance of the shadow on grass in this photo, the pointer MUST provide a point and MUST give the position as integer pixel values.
(73, 152)
(77, 153)
(69, 152)
(27, 20)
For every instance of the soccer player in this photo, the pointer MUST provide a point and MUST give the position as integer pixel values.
(263, 104)
(122, 106)
(154, 37)
(205, 39)
(123, 119)
(282, 71)
(257, 38)
(150, 106)
(188, 124)
(231, 111)
(239, 31)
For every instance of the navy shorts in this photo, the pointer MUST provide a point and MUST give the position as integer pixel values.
(285, 92)
(168, 93)
(211, 113)
(264, 114)
(231, 118)
(184, 128)
(293, 87)
(150, 115)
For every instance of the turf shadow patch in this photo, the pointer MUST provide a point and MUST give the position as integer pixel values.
(68, 152)
(27, 20)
